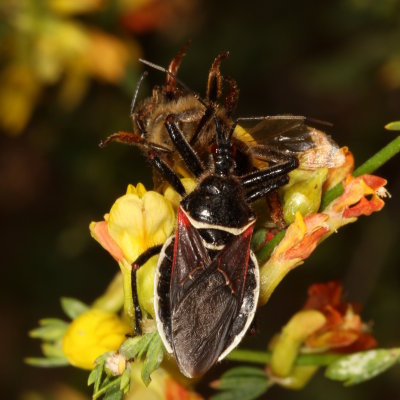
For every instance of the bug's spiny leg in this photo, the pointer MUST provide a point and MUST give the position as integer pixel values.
(262, 191)
(232, 96)
(204, 119)
(185, 150)
(133, 139)
(139, 262)
(214, 84)
(265, 175)
(170, 81)
(124, 137)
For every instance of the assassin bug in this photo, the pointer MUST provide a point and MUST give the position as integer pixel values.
(206, 284)
(207, 279)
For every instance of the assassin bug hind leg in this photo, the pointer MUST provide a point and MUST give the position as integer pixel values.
(139, 262)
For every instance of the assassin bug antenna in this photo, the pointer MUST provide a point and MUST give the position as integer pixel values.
(135, 95)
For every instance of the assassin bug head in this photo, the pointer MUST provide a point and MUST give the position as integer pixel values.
(223, 160)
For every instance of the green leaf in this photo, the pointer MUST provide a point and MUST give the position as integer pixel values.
(393, 126)
(125, 381)
(242, 383)
(73, 307)
(136, 346)
(154, 357)
(53, 322)
(148, 347)
(46, 362)
(95, 376)
(52, 350)
(359, 367)
(49, 332)
(114, 392)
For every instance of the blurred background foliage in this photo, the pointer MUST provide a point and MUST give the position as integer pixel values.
(68, 69)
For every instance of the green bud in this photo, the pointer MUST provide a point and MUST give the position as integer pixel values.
(303, 193)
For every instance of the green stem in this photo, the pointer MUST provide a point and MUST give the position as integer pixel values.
(105, 388)
(369, 166)
(263, 357)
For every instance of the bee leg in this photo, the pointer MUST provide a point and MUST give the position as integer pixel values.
(232, 96)
(170, 81)
(123, 137)
(185, 150)
(164, 169)
(204, 119)
(139, 262)
(214, 84)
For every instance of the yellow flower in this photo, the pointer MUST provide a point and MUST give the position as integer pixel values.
(90, 335)
(137, 221)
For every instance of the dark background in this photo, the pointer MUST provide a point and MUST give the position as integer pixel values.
(337, 61)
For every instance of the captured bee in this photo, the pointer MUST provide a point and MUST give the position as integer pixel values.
(257, 142)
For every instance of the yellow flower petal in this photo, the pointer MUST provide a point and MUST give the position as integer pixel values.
(90, 335)
(136, 223)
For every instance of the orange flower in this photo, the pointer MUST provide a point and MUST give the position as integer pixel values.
(362, 196)
(343, 329)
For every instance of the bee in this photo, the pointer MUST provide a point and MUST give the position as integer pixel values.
(256, 142)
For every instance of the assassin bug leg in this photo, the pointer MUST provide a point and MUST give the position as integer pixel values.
(255, 194)
(139, 262)
(185, 150)
(265, 175)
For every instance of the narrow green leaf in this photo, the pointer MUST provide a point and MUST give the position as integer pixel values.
(114, 393)
(125, 381)
(242, 383)
(73, 307)
(95, 376)
(154, 357)
(46, 362)
(48, 332)
(52, 350)
(359, 367)
(53, 321)
(393, 126)
(136, 346)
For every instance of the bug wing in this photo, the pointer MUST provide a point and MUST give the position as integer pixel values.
(201, 321)
(189, 255)
(291, 135)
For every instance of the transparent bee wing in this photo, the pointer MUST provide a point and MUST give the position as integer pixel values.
(291, 135)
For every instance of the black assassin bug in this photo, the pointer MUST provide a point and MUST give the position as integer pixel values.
(207, 279)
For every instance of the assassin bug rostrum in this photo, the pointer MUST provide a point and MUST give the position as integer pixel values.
(206, 284)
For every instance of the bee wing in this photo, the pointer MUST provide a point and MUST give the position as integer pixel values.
(291, 135)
